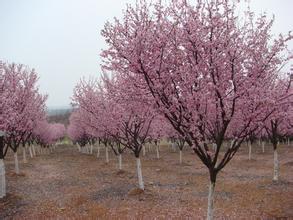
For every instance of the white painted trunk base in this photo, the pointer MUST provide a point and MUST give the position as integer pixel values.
(2, 180)
(30, 150)
(107, 155)
(249, 151)
(120, 161)
(180, 156)
(210, 213)
(24, 154)
(173, 145)
(91, 151)
(16, 163)
(34, 150)
(139, 174)
(276, 166)
(158, 152)
(214, 147)
(98, 153)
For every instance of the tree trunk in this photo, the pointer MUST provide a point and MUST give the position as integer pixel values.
(91, 149)
(249, 151)
(120, 161)
(30, 150)
(158, 152)
(139, 173)
(107, 155)
(98, 153)
(180, 156)
(2, 180)
(214, 147)
(276, 165)
(263, 146)
(34, 150)
(173, 147)
(16, 163)
(143, 150)
(288, 141)
(210, 214)
(24, 154)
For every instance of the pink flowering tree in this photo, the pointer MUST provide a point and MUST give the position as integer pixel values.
(279, 124)
(77, 129)
(206, 70)
(21, 108)
(47, 134)
(124, 119)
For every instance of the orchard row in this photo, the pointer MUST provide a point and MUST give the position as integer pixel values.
(23, 119)
(188, 72)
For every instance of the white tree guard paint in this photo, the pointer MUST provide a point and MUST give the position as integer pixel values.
(16, 163)
(173, 146)
(34, 150)
(214, 147)
(30, 150)
(2, 180)
(276, 166)
(139, 174)
(107, 155)
(98, 153)
(249, 151)
(91, 151)
(210, 213)
(158, 152)
(180, 156)
(24, 154)
(120, 161)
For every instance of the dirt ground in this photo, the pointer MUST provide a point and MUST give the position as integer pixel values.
(69, 185)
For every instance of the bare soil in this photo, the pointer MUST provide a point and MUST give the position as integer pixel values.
(69, 185)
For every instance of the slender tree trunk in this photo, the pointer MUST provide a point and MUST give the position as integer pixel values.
(120, 161)
(276, 165)
(16, 163)
(98, 153)
(2, 179)
(288, 141)
(143, 150)
(263, 146)
(158, 152)
(107, 155)
(139, 173)
(249, 151)
(214, 147)
(24, 154)
(34, 150)
(173, 147)
(210, 213)
(30, 150)
(91, 149)
(180, 156)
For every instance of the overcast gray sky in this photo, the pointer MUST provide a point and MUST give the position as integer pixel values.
(61, 38)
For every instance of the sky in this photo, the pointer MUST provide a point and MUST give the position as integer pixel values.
(61, 38)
